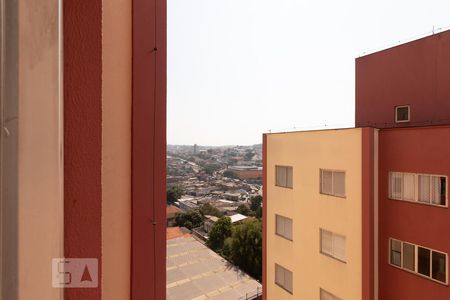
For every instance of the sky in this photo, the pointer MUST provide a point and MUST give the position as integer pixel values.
(239, 68)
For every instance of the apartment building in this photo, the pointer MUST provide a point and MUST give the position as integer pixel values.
(362, 213)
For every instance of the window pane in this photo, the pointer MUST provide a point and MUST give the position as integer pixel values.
(339, 246)
(280, 176)
(443, 191)
(402, 113)
(279, 225)
(396, 180)
(279, 275)
(288, 280)
(408, 256)
(324, 295)
(326, 181)
(339, 183)
(438, 266)
(396, 253)
(423, 261)
(289, 177)
(435, 190)
(424, 188)
(288, 228)
(408, 186)
(326, 242)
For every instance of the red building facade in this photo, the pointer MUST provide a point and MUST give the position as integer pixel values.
(413, 218)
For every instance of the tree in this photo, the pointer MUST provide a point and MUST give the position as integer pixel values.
(229, 174)
(255, 203)
(190, 219)
(246, 247)
(243, 210)
(208, 209)
(220, 231)
(249, 155)
(174, 193)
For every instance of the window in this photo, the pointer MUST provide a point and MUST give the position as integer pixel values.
(283, 176)
(332, 244)
(332, 183)
(419, 260)
(283, 227)
(422, 188)
(402, 114)
(324, 295)
(283, 278)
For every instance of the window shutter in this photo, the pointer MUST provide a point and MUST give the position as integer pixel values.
(289, 177)
(281, 176)
(279, 275)
(327, 178)
(326, 242)
(339, 183)
(339, 246)
(288, 228)
(280, 225)
(288, 280)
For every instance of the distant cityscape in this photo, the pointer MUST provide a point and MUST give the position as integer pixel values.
(213, 195)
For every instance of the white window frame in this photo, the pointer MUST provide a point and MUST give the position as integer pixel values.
(281, 234)
(396, 114)
(416, 188)
(276, 176)
(332, 182)
(416, 261)
(332, 255)
(279, 283)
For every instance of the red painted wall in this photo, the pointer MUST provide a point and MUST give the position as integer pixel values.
(148, 249)
(367, 214)
(82, 135)
(417, 150)
(415, 73)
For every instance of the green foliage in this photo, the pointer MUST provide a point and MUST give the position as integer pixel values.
(255, 203)
(243, 210)
(208, 209)
(220, 231)
(246, 247)
(258, 212)
(210, 169)
(174, 193)
(229, 174)
(190, 219)
(249, 155)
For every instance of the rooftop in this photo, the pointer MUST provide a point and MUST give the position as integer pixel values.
(196, 272)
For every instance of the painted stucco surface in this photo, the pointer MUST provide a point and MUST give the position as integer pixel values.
(415, 74)
(416, 150)
(40, 201)
(116, 150)
(308, 152)
(83, 135)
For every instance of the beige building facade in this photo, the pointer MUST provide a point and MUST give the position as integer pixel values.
(314, 214)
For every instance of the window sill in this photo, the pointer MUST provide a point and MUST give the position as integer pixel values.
(332, 195)
(418, 202)
(283, 237)
(419, 275)
(283, 288)
(333, 257)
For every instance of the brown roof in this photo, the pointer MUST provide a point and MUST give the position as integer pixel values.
(171, 211)
(175, 232)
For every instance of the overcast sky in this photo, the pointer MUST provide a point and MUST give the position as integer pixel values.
(238, 68)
